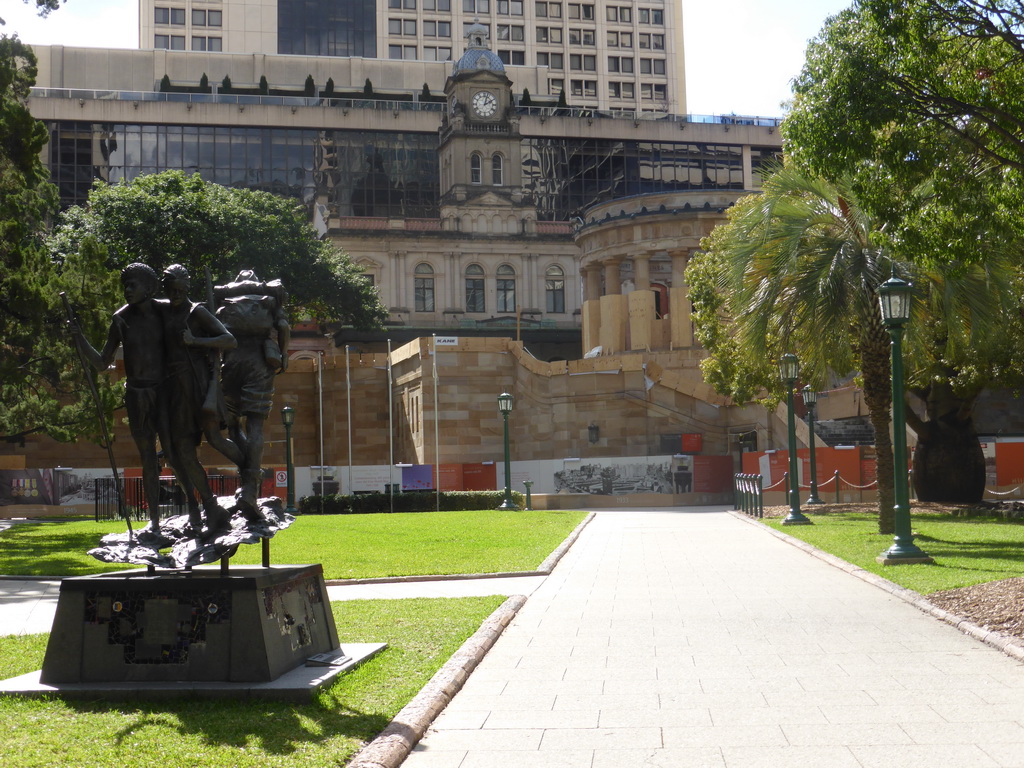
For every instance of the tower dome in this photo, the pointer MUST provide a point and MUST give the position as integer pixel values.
(478, 55)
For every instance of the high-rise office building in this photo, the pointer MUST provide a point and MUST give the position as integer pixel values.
(604, 54)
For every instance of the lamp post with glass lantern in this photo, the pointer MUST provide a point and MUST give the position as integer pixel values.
(810, 400)
(789, 371)
(894, 298)
(288, 418)
(505, 406)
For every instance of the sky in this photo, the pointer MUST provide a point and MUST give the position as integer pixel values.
(740, 54)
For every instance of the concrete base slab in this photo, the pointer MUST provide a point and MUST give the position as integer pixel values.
(297, 685)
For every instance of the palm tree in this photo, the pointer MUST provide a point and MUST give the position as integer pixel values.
(798, 268)
(800, 272)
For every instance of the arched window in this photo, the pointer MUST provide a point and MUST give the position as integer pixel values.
(423, 288)
(475, 289)
(497, 170)
(475, 169)
(554, 289)
(506, 289)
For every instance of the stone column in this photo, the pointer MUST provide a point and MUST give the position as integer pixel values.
(642, 270)
(612, 281)
(679, 302)
(591, 282)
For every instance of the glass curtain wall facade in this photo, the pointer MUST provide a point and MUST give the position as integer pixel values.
(381, 173)
(327, 27)
(357, 173)
(566, 176)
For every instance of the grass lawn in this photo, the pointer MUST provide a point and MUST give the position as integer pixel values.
(967, 551)
(422, 635)
(348, 546)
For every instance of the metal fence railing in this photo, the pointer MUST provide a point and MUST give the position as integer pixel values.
(172, 497)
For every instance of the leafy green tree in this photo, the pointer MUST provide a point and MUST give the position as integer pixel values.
(204, 83)
(264, 85)
(887, 77)
(26, 199)
(329, 88)
(309, 89)
(919, 104)
(171, 217)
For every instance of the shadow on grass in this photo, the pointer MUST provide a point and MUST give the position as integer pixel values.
(277, 728)
(49, 550)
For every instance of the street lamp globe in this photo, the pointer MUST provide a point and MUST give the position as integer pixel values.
(789, 368)
(894, 297)
(505, 402)
(810, 396)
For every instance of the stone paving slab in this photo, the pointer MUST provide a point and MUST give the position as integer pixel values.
(676, 638)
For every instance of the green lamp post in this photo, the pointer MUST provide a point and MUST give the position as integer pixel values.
(894, 297)
(505, 406)
(810, 400)
(789, 371)
(288, 418)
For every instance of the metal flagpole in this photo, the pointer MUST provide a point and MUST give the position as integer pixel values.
(320, 389)
(348, 402)
(437, 437)
(391, 435)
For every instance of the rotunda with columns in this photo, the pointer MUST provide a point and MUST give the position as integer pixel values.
(633, 254)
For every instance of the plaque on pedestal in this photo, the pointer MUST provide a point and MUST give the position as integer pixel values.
(250, 624)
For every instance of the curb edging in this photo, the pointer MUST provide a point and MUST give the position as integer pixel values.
(392, 745)
(1008, 645)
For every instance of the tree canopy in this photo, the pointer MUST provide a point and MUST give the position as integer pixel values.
(915, 110)
(172, 217)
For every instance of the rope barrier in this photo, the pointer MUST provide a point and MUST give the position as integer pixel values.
(1004, 493)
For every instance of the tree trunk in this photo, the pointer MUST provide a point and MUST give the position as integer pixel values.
(877, 375)
(949, 465)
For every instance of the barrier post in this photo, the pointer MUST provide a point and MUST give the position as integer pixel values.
(836, 478)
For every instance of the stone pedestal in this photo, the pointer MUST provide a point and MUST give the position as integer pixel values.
(247, 625)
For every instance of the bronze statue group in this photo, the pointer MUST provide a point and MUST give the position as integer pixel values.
(192, 370)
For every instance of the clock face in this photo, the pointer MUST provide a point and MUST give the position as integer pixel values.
(484, 103)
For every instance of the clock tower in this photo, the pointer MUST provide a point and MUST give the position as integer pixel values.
(480, 150)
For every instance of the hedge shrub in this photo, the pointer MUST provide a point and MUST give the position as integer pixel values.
(409, 501)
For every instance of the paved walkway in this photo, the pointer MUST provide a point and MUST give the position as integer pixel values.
(677, 639)
(680, 639)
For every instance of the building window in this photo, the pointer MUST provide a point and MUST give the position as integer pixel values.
(198, 18)
(437, 5)
(475, 289)
(510, 7)
(497, 170)
(475, 169)
(178, 16)
(506, 288)
(554, 289)
(542, 10)
(177, 42)
(515, 58)
(161, 42)
(476, 6)
(423, 288)
(437, 29)
(430, 53)
(161, 15)
(556, 86)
